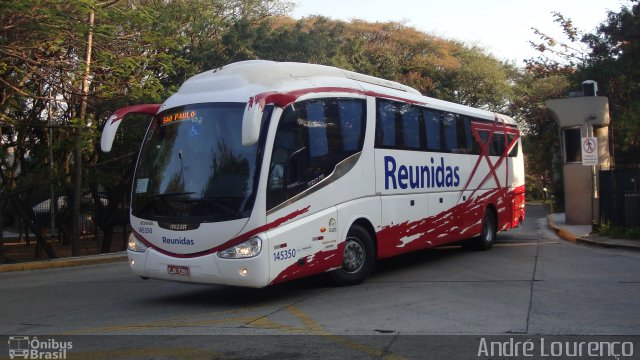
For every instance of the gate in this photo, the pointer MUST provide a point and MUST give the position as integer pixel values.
(620, 197)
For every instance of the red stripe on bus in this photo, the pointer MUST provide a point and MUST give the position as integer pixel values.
(439, 229)
(312, 264)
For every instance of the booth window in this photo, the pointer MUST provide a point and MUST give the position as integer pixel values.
(572, 141)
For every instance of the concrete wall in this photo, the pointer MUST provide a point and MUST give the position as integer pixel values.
(578, 110)
(577, 194)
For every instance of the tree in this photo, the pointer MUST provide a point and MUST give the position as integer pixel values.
(52, 76)
(613, 62)
(36, 74)
(609, 56)
(540, 132)
(440, 68)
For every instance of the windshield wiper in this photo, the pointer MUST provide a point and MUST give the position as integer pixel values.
(155, 197)
(217, 202)
(172, 194)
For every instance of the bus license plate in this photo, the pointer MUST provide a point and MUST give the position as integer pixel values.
(178, 270)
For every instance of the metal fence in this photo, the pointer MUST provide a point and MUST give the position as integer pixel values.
(41, 217)
(620, 197)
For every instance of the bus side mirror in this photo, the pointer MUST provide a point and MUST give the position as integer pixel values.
(253, 112)
(109, 132)
(112, 124)
(251, 121)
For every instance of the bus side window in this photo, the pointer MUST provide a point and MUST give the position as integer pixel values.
(476, 149)
(411, 135)
(465, 138)
(386, 126)
(432, 127)
(399, 126)
(484, 139)
(316, 123)
(449, 130)
(287, 142)
(514, 149)
(499, 144)
(351, 114)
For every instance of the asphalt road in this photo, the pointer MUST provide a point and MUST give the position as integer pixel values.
(530, 285)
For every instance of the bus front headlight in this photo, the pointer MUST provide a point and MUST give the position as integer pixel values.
(134, 244)
(247, 249)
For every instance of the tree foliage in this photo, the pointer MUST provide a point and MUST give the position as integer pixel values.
(142, 51)
(613, 63)
(609, 56)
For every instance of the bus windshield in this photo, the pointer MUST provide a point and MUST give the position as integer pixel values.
(194, 168)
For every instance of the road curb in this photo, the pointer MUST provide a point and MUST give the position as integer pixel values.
(67, 262)
(607, 244)
(561, 232)
(566, 235)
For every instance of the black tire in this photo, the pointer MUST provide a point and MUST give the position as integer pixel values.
(487, 238)
(358, 257)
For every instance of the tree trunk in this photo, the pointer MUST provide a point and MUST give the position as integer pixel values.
(77, 166)
(107, 239)
(29, 221)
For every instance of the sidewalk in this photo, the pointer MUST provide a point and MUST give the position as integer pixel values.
(65, 262)
(581, 234)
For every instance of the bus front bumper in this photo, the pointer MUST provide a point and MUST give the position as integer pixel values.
(207, 269)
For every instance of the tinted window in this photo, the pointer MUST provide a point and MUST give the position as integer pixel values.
(399, 126)
(432, 127)
(499, 144)
(465, 139)
(351, 115)
(572, 143)
(514, 149)
(475, 144)
(386, 124)
(316, 124)
(193, 166)
(312, 137)
(449, 131)
(410, 127)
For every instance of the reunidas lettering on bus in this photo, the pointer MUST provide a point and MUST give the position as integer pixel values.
(418, 176)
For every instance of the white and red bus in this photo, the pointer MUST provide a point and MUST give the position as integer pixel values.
(261, 172)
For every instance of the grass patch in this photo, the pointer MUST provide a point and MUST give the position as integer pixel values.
(619, 232)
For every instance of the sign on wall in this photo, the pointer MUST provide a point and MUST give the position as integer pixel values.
(589, 151)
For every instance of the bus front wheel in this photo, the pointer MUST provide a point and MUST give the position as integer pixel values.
(358, 257)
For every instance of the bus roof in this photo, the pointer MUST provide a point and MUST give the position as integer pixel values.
(240, 81)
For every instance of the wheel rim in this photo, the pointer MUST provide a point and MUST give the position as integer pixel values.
(354, 256)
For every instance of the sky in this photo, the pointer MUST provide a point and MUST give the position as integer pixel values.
(502, 27)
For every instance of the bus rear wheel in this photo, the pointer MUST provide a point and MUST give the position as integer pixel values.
(358, 257)
(487, 238)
